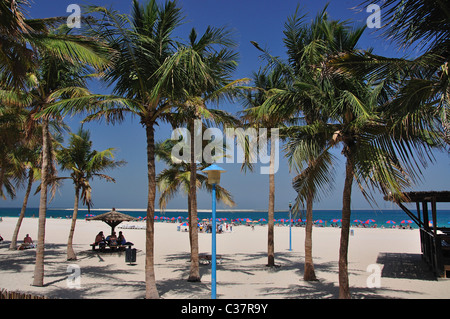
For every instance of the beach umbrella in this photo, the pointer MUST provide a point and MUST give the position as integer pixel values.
(357, 221)
(262, 220)
(319, 221)
(407, 221)
(390, 222)
(113, 218)
(335, 220)
(370, 221)
(185, 224)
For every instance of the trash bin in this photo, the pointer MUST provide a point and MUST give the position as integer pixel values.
(178, 228)
(130, 255)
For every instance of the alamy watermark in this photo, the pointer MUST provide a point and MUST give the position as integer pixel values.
(252, 146)
(374, 279)
(373, 20)
(74, 278)
(74, 19)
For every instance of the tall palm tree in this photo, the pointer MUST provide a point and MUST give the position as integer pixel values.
(308, 47)
(353, 118)
(202, 71)
(141, 44)
(264, 83)
(84, 164)
(31, 162)
(58, 80)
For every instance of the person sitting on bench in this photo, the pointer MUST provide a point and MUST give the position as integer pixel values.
(122, 241)
(112, 240)
(100, 240)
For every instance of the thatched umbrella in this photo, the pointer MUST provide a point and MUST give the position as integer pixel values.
(113, 218)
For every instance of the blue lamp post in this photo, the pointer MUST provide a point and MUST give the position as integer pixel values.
(290, 226)
(213, 172)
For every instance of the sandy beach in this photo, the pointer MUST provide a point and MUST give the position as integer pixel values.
(241, 274)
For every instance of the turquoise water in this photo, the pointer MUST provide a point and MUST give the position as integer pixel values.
(380, 216)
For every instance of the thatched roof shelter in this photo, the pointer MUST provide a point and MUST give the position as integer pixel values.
(113, 218)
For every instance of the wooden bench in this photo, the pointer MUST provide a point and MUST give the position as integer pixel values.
(115, 247)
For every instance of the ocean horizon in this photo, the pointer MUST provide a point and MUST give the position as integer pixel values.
(324, 217)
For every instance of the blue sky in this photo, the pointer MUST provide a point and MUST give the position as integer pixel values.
(252, 20)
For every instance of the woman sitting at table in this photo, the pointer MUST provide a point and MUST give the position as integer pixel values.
(112, 240)
(100, 240)
(122, 241)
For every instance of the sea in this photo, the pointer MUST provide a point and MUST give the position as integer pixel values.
(367, 218)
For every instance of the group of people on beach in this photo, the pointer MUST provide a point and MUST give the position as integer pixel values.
(111, 240)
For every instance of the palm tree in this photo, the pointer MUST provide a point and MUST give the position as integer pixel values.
(141, 44)
(11, 150)
(84, 164)
(308, 47)
(351, 110)
(22, 38)
(57, 80)
(177, 176)
(421, 85)
(31, 162)
(203, 69)
(265, 82)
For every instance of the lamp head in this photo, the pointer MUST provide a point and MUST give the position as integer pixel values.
(213, 172)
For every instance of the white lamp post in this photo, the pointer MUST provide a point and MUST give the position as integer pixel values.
(213, 172)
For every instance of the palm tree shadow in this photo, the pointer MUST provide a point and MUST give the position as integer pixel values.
(403, 265)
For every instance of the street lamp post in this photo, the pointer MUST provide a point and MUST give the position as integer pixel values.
(213, 172)
(290, 226)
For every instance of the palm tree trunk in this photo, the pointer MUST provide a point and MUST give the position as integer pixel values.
(344, 291)
(13, 245)
(39, 264)
(270, 235)
(309, 273)
(70, 252)
(189, 219)
(151, 292)
(194, 272)
(2, 175)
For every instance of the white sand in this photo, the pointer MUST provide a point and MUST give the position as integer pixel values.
(241, 274)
